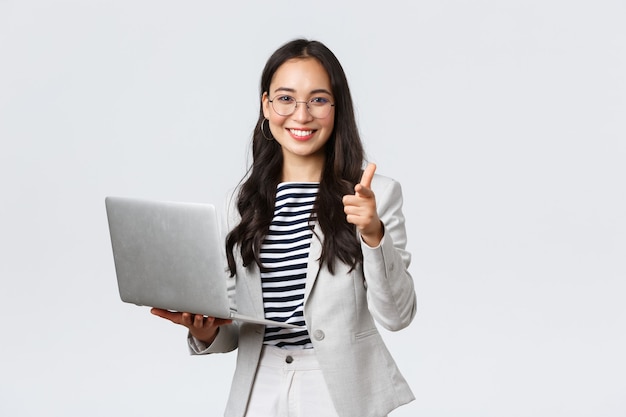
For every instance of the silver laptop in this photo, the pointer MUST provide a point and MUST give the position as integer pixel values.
(170, 255)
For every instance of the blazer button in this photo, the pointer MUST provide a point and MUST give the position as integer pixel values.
(319, 335)
(289, 359)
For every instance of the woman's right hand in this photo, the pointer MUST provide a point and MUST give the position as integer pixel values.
(202, 328)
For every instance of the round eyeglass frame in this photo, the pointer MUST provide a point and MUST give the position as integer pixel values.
(306, 103)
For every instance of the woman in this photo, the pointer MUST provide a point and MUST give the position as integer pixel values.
(317, 241)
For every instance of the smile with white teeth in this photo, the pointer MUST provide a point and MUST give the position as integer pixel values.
(301, 133)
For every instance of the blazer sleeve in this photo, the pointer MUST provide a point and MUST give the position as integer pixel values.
(390, 289)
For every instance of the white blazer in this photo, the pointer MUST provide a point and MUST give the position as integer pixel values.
(340, 311)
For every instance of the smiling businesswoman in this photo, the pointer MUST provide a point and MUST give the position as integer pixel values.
(314, 240)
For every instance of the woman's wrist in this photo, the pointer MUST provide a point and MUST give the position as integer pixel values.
(207, 340)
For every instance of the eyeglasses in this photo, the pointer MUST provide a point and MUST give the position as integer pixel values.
(318, 107)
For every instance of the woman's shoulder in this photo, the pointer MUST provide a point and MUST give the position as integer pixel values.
(380, 181)
(230, 206)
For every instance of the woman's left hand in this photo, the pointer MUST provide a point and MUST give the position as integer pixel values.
(360, 209)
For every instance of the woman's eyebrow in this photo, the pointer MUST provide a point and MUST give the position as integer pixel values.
(321, 90)
(291, 90)
(285, 89)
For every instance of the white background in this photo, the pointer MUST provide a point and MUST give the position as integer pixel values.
(504, 121)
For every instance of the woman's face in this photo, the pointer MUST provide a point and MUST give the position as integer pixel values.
(300, 134)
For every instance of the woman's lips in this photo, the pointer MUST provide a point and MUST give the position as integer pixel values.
(301, 134)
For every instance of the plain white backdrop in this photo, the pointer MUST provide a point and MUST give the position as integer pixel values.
(504, 121)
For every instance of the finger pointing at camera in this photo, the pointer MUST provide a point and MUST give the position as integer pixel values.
(360, 208)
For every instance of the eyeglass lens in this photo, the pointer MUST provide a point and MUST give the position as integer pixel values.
(318, 107)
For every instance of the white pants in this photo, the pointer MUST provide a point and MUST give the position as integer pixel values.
(289, 383)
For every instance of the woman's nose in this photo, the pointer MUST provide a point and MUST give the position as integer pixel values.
(302, 112)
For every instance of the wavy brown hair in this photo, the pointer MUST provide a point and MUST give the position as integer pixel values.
(342, 170)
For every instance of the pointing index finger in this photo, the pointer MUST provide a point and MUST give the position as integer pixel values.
(368, 174)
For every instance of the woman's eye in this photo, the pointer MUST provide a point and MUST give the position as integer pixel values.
(285, 99)
(319, 101)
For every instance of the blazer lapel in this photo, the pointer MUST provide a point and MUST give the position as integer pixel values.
(313, 265)
(253, 290)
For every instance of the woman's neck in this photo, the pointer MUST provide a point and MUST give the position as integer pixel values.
(303, 170)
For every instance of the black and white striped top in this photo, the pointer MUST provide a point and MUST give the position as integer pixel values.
(284, 256)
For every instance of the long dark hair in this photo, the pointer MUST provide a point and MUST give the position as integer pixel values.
(342, 170)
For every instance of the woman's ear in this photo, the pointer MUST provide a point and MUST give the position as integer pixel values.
(265, 101)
